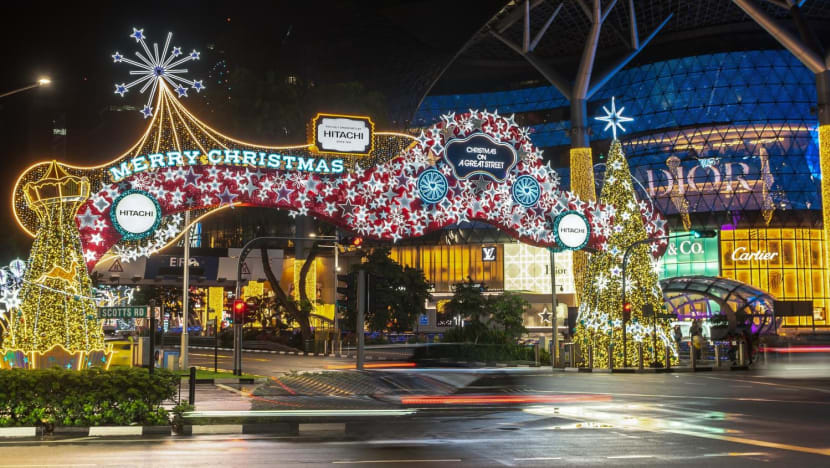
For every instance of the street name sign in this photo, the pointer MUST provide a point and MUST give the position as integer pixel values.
(125, 312)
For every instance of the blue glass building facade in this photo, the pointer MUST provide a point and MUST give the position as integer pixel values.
(729, 131)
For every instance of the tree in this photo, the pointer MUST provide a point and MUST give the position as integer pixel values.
(489, 319)
(397, 294)
(600, 319)
(507, 314)
(469, 303)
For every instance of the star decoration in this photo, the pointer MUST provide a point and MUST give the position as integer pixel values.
(614, 118)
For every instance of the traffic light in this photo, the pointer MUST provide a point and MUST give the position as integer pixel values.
(349, 288)
(351, 241)
(627, 312)
(704, 234)
(239, 307)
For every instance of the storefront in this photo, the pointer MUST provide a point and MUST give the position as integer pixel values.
(688, 256)
(787, 263)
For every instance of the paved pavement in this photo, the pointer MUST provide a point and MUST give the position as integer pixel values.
(267, 364)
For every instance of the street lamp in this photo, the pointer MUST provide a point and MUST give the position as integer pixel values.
(43, 81)
(702, 234)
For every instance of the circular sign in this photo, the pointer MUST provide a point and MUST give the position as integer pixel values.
(135, 214)
(571, 230)
(526, 191)
(432, 186)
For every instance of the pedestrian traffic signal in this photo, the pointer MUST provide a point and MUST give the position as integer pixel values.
(239, 307)
(627, 312)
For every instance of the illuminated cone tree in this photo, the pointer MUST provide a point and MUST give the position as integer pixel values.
(601, 309)
(56, 309)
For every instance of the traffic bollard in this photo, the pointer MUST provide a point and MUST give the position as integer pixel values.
(191, 394)
(610, 356)
(591, 356)
(717, 355)
(741, 360)
(640, 352)
(692, 355)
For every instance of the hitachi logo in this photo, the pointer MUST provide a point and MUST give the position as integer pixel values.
(136, 213)
(341, 134)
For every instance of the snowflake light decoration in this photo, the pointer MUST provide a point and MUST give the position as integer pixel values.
(614, 118)
(153, 68)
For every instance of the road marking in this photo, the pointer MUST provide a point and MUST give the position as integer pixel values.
(434, 460)
(690, 397)
(736, 454)
(758, 443)
(771, 384)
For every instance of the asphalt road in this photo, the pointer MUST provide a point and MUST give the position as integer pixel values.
(703, 419)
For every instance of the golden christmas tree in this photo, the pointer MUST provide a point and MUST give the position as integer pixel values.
(57, 310)
(600, 321)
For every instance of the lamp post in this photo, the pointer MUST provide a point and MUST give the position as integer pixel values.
(37, 84)
(554, 322)
(237, 327)
(703, 234)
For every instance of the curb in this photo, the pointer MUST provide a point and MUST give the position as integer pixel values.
(295, 429)
(285, 353)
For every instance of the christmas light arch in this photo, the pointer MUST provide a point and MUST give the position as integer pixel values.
(185, 165)
(381, 202)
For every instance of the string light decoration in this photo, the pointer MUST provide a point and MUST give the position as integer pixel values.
(582, 184)
(600, 319)
(57, 320)
(185, 165)
(824, 163)
(155, 67)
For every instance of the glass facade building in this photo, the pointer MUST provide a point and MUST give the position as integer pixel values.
(724, 141)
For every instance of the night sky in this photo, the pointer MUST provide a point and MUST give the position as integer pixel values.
(381, 44)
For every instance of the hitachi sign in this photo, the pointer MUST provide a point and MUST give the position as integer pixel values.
(126, 212)
(342, 134)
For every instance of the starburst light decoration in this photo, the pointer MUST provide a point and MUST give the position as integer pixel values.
(614, 118)
(153, 67)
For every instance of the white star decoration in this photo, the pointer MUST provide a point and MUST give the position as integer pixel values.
(153, 67)
(382, 201)
(614, 118)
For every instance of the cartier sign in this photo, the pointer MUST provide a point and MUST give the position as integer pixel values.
(742, 254)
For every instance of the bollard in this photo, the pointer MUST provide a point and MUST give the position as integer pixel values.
(610, 356)
(692, 355)
(741, 360)
(191, 397)
(717, 355)
(573, 354)
(765, 356)
(536, 353)
(591, 356)
(640, 351)
(668, 356)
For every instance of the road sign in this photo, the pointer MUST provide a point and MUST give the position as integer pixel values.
(125, 312)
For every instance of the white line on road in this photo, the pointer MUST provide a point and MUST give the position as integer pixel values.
(435, 460)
